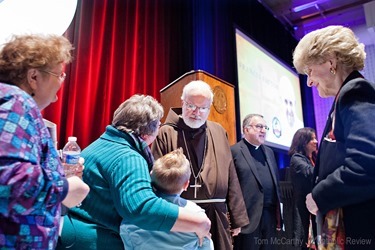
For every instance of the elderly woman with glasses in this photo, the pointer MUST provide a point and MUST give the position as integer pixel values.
(344, 188)
(32, 181)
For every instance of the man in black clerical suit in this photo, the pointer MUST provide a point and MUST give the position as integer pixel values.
(258, 176)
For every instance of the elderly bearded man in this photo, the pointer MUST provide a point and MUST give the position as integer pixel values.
(213, 184)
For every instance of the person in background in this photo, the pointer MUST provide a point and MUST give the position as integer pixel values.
(302, 154)
(344, 173)
(213, 183)
(259, 179)
(117, 167)
(32, 182)
(170, 176)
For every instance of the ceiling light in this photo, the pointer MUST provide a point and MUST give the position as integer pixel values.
(35, 16)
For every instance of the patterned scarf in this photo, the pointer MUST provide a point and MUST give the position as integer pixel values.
(143, 149)
(333, 232)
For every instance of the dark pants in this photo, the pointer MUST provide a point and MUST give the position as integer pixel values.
(264, 236)
(359, 223)
(302, 224)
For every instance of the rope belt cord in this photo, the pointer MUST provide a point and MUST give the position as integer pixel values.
(209, 201)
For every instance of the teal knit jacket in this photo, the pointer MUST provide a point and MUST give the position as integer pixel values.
(120, 187)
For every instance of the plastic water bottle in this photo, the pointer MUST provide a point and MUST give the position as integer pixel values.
(71, 153)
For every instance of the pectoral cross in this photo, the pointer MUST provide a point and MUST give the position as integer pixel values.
(195, 186)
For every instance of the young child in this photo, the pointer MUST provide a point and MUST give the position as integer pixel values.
(170, 177)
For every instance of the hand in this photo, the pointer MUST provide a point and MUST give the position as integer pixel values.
(78, 190)
(189, 221)
(311, 205)
(80, 167)
(236, 231)
(204, 229)
(74, 170)
(201, 239)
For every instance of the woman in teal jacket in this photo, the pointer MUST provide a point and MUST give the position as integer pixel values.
(117, 169)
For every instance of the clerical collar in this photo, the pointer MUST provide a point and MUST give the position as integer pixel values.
(256, 147)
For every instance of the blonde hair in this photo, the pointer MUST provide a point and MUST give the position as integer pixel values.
(333, 41)
(170, 172)
(24, 52)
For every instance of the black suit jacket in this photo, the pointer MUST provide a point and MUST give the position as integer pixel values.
(250, 182)
(345, 169)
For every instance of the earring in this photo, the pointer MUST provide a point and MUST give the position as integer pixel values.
(333, 71)
(32, 94)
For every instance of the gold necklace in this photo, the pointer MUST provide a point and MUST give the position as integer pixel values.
(196, 185)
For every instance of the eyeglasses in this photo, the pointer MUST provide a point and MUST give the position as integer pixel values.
(61, 76)
(193, 107)
(260, 127)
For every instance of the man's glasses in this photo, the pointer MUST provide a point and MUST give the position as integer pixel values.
(61, 76)
(193, 107)
(260, 127)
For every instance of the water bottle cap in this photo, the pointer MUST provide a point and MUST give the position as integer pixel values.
(72, 138)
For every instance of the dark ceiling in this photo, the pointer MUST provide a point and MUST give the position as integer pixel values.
(303, 16)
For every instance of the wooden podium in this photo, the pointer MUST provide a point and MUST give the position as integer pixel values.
(223, 106)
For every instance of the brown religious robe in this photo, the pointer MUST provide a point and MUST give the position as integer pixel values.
(216, 183)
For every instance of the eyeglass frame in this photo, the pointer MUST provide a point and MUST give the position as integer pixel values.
(193, 107)
(61, 77)
(259, 127)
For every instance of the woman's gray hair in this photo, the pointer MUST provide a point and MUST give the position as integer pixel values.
(333, 41)
(139, 114)
(197, 88)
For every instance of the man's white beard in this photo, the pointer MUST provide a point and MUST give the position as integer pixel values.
(193, 123)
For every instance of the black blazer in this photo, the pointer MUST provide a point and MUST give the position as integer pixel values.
(345, 169)
(301, 171)
(252, 189)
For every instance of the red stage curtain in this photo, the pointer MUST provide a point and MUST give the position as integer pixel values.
(121, 48)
